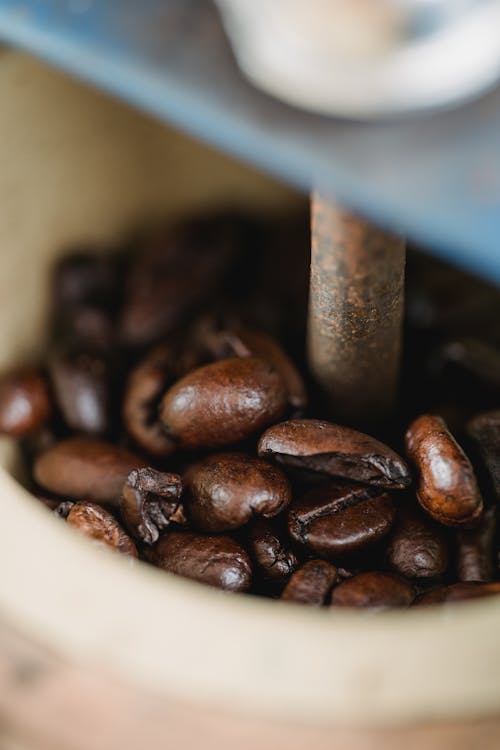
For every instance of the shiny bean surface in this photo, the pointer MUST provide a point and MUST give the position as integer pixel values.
(86, 469)
(226, 490)
(373, 590)
(447, 488)
(311, 584)
(338, 519)
(223, 403)
(214, 560)
(335, 450)
(24, 402)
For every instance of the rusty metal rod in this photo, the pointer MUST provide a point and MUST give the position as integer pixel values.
(355, 312)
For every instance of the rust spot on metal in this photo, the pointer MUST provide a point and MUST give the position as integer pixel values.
(355, 312)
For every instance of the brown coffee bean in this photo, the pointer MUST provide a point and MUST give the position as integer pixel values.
(474, 552)
(270, 550)
(81, 385)
(373, 589)
(458, 592)
(89, 327)
(86, 469)
(338, 519)
(84, 277)
(150, 501)
(223, 403)
(24, 402)
(177, 271)
(145, 388)
(245, 342)
(448, 489)
(331, 449)
(97, 524)
(417, 548)
(214, 560)
(444, 299)
(265, 347)
(311, 583)
(477, 359)
(484, 429)
(226, 490)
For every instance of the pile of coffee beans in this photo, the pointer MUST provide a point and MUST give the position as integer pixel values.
(173, 420)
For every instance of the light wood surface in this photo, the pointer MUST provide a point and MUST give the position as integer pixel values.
(95, 653)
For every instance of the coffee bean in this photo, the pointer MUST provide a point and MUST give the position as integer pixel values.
(270, 550)
(484, 429)
(145, 388)
(97, 524)
(226, 490)
(477, 359)
(150, 501)
(88, 327)
(223, 403)
(418, 548)
(338, 519)
(177, 272)
(374, 590)
(214, 560)
(24, 402)
(458, 592)
(311, 583)
(445, 300)
(245, 342)
(331, 449)
(84, 277)
(448, 489)
(475, 549)
(81, 385)
(86, 469)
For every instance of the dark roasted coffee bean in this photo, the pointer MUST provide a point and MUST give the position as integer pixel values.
(150, 501)
(81, 385)
(174, 275)
(475, 549)
(458, 592)
(417, 548)
(444, 299)
(24, 402)
(331, 449)
(270, 550)
(85, 278)
(215, 560)
(226, 490)
(311, 583)
(251, 343)
(96, 523)
(223, 403)
(338, 519)
(89, 327)
(373, 589)
(448, 489)
(264, 347)
(476, 359)
(86, 469)
(484, 429)
(145, 387)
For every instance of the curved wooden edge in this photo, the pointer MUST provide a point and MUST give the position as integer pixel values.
(47, 703)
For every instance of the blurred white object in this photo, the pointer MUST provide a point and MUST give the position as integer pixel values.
(362, 58)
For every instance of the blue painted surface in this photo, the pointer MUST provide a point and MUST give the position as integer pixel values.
(435, 176)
